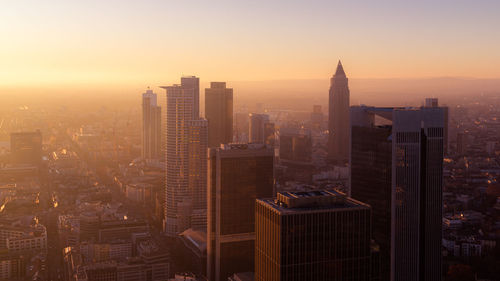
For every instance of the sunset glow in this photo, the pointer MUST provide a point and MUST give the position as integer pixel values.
(131, 42)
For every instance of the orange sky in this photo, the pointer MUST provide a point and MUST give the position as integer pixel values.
(69, 43)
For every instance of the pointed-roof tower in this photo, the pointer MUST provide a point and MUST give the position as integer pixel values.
(340, 69)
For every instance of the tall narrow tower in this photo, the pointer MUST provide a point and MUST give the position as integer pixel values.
(186, 136)
(338, 117)
(237, 175)
(193, 82)
(219, 113)
(397, 168)
(151, 126)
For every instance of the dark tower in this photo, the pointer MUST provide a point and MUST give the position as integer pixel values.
(338, 117)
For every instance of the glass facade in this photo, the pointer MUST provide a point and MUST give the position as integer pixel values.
(371, 181)
(312, 243)
(398, 170)
(219, 113)
(238, 175)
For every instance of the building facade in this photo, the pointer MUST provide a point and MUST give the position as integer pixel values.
(397, 169)
(434, 102)
(198, 135)
(186, 139)
(314, 235)
(193, 82)
(151, 126)
(295, 145)
(338, 117)
(238, 174)
(256, 127)
(219, 113)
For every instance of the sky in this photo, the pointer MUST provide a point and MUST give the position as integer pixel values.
(156, 41)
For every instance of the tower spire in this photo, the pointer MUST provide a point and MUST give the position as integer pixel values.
(340, 69)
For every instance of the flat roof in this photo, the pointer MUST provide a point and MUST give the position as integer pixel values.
(312, 201)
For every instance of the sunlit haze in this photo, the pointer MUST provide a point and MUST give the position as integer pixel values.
(82, 43)
(231, 140)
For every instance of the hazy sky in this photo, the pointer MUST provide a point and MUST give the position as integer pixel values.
(154, 42)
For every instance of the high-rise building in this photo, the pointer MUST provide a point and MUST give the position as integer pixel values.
(371, 178)
(26, 147)
(151, 126)
(397, 169)
(198, 135)
(257, 132)
(313, 235)
(219, 113)
(434, 102)
(338, 117)
(295, 145)
(185, 169)
(238, 174)
(193, 82)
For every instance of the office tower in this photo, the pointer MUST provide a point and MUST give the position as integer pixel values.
(26, 148)
(314, 235)
(397, 170)
(193, 82)
(219, 113)
(338, 117)
(256, 125)
(237, 175)
(434, 102)
(295, 145)
(198, 135)
(317, 117)
(371, 178)
(184, 159)
(151, 126)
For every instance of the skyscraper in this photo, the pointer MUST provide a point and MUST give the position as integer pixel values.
(397, 169)
(193, 82)
(338, 117)
(257, 132)
(151, 126)
(198, 135)
(238, 174)
(186, 141)
(219, 113)
(371, 177)
(314, 235)
(434, 102)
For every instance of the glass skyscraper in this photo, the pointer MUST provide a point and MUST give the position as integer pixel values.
(315, 235)
(186, 145)
(238, 174)
(151, 126)
(396, 167)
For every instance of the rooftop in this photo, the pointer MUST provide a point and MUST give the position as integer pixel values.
(315, 200)
(242, 146)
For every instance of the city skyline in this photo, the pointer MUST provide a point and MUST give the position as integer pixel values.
(335, 140)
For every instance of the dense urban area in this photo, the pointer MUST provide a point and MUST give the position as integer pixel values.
(84, 190)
